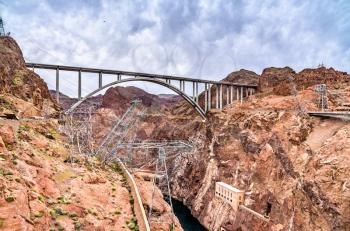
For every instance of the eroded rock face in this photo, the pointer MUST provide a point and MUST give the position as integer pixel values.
(16, 79)
(243, 77)
(8, 135)
(284, 160)
(161, 210)
(277, 80)
(272, 155)
(282, 81)
(41, 190)
(125, 95)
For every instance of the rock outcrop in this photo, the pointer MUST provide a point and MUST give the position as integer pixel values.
(290, 165)
(41, 190)
(280, 81)
(43, 185)
(17, 80)
(125, 95)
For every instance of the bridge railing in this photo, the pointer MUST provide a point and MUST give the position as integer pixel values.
(218, 93)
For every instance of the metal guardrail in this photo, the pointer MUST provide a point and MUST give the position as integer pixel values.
(140, 212)
(339, 115)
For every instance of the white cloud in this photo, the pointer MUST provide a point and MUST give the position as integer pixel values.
(191, 38)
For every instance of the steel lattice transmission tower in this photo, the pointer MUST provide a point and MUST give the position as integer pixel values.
(322, 90)
(2, 29)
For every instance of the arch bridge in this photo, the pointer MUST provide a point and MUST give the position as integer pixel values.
(225, 92)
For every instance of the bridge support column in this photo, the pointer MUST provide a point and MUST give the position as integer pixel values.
(193, 92)
(209, 96)
(197, 100)
(231, 89)
(221, 97)
(100, 80)
(206, 97)
(227, 95)
(217, 97)
(119, 77)
(57, 84)
(79, 84)
(241, 95)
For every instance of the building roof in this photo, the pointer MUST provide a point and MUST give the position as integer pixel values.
(229, 187)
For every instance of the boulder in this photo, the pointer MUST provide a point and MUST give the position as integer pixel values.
(7, 134)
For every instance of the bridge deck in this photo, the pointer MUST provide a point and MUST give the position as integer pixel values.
(133, 74)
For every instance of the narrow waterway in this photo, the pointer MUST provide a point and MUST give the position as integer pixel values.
(187, 221)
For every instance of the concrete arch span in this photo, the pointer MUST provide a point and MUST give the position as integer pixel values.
(195, 105)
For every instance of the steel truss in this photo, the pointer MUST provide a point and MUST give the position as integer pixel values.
(78, 127)
(118, 133)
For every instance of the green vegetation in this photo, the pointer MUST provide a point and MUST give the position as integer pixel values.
(23, 128)
(132, 224)
(2, 222)
(50, 202)
(63, 200)
(116, 212)
(3, 157)
(5, 172)
(59, 226)
(39, 214)
(6, 104)
(59, 211)
(10, 198)
(131, 200)
(77, 225)
(18, 78)
(53, 214)
(72, 215)
(92, 212)
(52, 134)
(41, 198)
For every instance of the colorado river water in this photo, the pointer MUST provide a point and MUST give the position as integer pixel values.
(187, 221)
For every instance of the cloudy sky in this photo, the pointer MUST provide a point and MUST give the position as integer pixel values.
(204, 38)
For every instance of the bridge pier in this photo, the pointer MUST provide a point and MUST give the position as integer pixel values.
(227, 95)
(100, 79)
(242, 90)
(181, 85)
(197, 100)
(217, 97)
(221, 98)
(209, 96)
(193, 91)
(79, 84)
(205, 97)
(57, 84)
